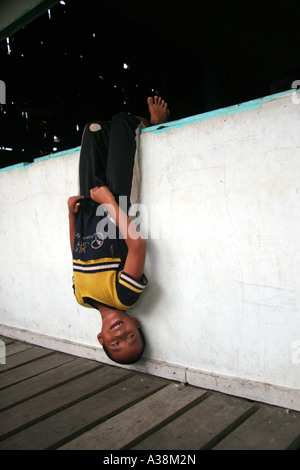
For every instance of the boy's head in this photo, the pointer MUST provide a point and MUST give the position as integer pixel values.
(121, 337)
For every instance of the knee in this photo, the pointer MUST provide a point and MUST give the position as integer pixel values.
(122, 116)
(94, 126)
(126, 118)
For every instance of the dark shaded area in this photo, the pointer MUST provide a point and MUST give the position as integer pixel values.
(67, 67)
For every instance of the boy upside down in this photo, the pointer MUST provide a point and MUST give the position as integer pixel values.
(108, 250)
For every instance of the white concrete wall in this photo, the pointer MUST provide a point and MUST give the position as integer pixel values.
(222, 307)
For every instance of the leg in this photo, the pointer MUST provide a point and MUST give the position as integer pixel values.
(109, 152)
(122, 155)
(93, 156)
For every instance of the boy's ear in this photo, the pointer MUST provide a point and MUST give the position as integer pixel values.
(99, 336)
(138, 325)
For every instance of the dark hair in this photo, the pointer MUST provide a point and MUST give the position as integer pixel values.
(133, 359)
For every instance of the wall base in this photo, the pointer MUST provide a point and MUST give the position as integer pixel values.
(243, 388)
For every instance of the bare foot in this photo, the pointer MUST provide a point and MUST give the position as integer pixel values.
(158, 108)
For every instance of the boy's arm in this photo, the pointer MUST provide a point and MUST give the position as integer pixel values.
(73, 205)
(135, 260)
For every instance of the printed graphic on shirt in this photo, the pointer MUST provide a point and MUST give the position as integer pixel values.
(82, 243)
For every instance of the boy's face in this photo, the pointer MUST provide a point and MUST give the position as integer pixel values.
(120, 336)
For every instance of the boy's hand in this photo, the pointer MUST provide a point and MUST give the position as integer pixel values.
(74, 204)
(102, 195)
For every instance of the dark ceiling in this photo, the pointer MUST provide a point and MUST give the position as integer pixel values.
(66, 68)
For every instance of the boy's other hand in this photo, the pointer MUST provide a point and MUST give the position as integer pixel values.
(74, 204)
(102, 195)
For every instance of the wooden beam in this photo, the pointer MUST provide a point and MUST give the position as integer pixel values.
(14, 14)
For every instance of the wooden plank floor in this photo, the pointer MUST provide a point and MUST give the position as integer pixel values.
(50, 400)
